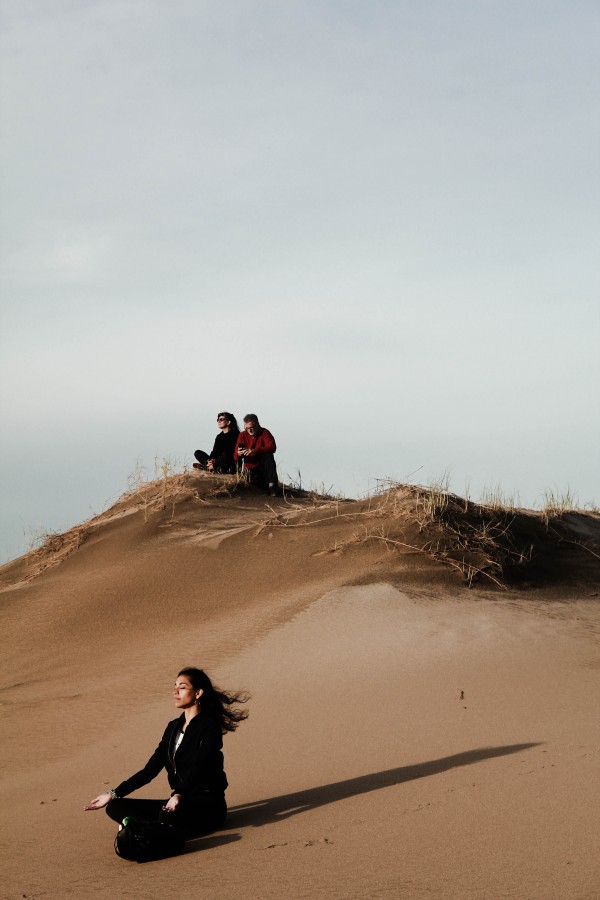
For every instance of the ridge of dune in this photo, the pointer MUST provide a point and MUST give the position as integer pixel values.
(425, 685)
(482, 545)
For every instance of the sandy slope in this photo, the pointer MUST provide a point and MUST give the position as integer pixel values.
(360, 773)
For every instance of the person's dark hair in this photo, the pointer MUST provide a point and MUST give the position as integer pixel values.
(232, 419)
(215, 702)
(252, 417)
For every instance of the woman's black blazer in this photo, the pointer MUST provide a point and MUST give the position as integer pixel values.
(194, 769)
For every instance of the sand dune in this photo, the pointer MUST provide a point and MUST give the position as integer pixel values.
(409, 736)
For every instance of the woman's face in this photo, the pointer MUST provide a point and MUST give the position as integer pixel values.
(185, 694)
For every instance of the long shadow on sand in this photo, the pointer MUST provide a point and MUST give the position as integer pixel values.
(274, 809)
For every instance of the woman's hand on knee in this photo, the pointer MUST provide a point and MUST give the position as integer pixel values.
(172, 803)
(100, 802)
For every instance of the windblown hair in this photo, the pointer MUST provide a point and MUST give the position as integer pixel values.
(218, 703)
(233, 421)
(252, 417)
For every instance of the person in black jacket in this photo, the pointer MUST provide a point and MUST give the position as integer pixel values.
(191, 752)
(221, 456)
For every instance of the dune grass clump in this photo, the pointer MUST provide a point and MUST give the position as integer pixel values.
(48, 548)
(229, 485)
(293, 487)
(556, 504)
(433, 498)
(38, 537)
(492, 540)
(495, 499)
(152, 494)
(477, 540)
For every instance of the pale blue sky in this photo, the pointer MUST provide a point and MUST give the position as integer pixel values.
(374, 224)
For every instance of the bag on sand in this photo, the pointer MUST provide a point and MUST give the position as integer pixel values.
(141, 841)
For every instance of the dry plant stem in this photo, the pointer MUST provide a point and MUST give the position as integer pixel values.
(583, 547)
(316, 521)
(467, 570)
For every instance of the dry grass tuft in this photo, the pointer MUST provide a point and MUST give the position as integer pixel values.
(556, 505)
(476, 540)
(495, 499)
(483, 542)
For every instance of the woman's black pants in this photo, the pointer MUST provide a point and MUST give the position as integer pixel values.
(222, 463)
(194, 818)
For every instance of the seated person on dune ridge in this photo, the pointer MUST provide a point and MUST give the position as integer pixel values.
(190, 751)
(221, 456)
(256, 446)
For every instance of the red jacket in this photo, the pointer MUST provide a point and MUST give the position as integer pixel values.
(261, 442)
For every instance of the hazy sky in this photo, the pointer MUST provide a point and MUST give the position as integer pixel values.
(373, 223)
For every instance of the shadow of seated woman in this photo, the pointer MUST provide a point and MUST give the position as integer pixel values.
(274, 809)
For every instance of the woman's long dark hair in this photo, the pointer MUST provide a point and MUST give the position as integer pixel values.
(233, 425)
(215, 702)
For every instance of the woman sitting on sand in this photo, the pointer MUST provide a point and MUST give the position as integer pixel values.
(221, 456)
(190, 751)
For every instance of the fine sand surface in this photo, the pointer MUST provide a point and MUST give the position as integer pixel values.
(408, 737)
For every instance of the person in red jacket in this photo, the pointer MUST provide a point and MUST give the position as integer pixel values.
(256, 446)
